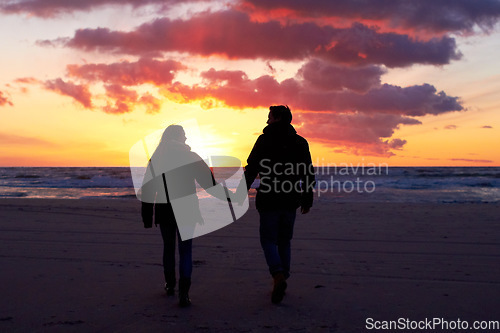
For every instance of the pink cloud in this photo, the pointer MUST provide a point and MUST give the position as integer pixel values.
(26, 80)
(234, 35)
(4, 100)
(80, 93)
(115, 76)
(121, 100)
(126, 73)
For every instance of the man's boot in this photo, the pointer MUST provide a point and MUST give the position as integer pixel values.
(184, 285)
(279, 288)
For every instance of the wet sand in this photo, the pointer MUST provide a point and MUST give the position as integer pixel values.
(89, 265)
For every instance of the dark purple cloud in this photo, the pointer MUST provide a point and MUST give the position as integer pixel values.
(361, 45)
(51, 8)
(235, 89)
(360, 122)
(234, 35)
(357, 133)
(431, 15)
(324, 76)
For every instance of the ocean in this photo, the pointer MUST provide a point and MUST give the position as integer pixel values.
(334, 184)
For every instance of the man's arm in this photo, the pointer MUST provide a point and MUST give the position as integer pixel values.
(253, 162)
(308, 181)
(251, 171)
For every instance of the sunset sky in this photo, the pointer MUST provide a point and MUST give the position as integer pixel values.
(407, 83)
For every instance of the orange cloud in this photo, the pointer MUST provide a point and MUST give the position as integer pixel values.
(470, 160)
(121, 100)
(16, 140)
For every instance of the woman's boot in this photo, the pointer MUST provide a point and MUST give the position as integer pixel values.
(170, 283)
(184, 285)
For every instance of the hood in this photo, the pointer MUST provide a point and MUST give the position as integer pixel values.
(279, 129)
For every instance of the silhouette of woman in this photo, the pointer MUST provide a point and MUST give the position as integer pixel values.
(170, 179)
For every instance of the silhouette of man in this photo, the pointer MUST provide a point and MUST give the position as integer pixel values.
(282, 160)
(170, 176)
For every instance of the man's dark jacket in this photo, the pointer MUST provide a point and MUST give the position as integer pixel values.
(282, 159)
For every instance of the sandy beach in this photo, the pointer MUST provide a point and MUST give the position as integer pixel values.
(90, 266)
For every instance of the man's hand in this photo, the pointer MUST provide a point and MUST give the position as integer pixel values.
(305, 210)
(148, 222)
(239, 195)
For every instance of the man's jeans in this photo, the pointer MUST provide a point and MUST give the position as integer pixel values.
(169, 233)
(276, 232)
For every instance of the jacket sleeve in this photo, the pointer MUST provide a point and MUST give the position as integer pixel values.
(148, 194)
(205, 177)
(253, 162)
(147, 214)
(308, 179)
(203, 174)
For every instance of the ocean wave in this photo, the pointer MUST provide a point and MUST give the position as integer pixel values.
(13, 195)
(438, 184)
(26, 176)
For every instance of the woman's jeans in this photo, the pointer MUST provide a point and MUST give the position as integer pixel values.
(169, 233)
(276, 232)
